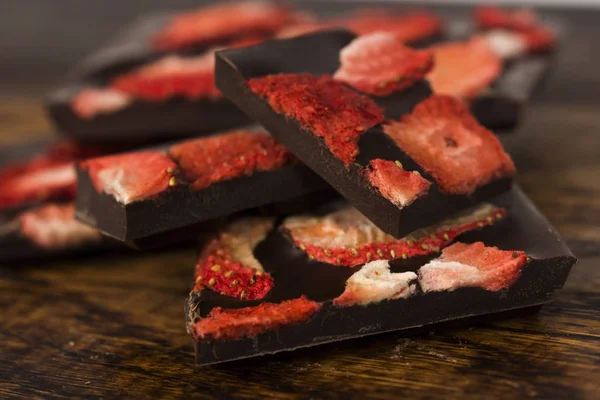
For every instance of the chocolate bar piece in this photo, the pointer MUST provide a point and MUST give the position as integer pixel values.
(261, 288)
(136, 195)
(403, 175)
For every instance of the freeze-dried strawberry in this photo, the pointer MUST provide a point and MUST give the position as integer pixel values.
(131, 177)
(220, 22)
(323, 106)
(465, 265)
(228, 266)
(219, 158)
(409, 27)
(177, 76)
(380, 64)
(232, 324)
(301, 29)
(399, 186)
(54, 227)
(93, 101)
(464, 69)
(47, 176)
(347, 238)
(374, 283)
(444, 138)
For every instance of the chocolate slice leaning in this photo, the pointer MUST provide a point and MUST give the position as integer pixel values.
(260, 289)
(137, 195)
(403, 175)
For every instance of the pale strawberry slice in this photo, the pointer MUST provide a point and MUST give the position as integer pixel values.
(444, 138)
(533, 35)
(380, 64)
(54, 227)
(228, 266)
(409, 27)
(131, 177)
(232, 324)
(374, 283)
(468, 265)
(325, 107)
(95, 101)
(223, 157)
(345, 237)
(223, 21)
(399, 186)
(464, 69)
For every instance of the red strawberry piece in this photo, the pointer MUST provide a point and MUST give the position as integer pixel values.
(228, 266)
(53, 226)
(464, 69)
(347, 238)
(301, 29)
(381, 64)
(492, 17)
(93, 101)
(444, 138)
(219, 158)
(325, 107)
(131, 177)
(410, 27)
(232, 324)
(466, 265)
(219, 22)
(399, 186)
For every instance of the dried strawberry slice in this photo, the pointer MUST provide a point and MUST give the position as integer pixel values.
(228, 266)
(347, 238)
(232, 324)
(323, 106)
(219, 158)
(94, 101)
(464, 69)
(131, 177)
(399, 186)
(380, 64)
(465, 265)
(444, 138)
(409, 27)
(221, 22)
(54, 227)
(374, 283)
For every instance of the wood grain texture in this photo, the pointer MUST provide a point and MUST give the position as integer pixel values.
(113, 326)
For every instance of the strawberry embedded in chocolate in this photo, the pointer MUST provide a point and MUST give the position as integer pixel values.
(346, 237)
(464, 69)
(220, 22)
(374, 283)
(408, 27)
(219, 158)
(380, 64)
(91, 102)
(323, 106)
(399, 186)
(444, 138)
(131, 177)
(228, 324)
(54, 227)
(228, 266)
(468, 265)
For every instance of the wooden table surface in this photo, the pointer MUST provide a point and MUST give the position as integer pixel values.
(113, 326)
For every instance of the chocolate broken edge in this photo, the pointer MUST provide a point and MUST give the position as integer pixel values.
(524, 229)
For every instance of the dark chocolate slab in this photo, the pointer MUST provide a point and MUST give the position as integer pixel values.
(524, 229)
(180, 206)
(234, 67)
(143, 121)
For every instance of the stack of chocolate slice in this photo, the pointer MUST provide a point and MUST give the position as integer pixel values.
(374, 197)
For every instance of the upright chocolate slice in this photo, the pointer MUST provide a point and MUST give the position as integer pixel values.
(402, 175)
(262, 289)
(136, 195)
